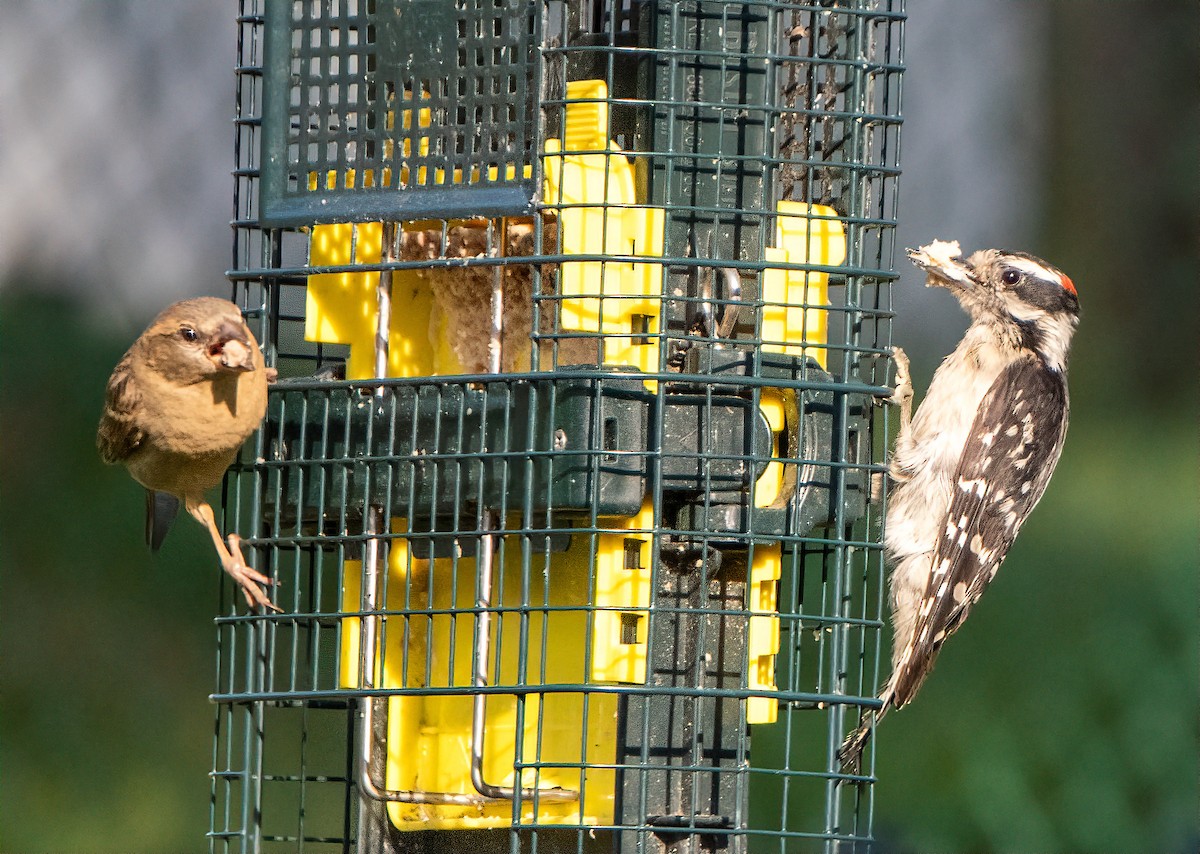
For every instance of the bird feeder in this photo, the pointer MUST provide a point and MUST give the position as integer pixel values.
(580, 311)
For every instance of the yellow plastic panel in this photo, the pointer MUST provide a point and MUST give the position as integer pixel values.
(429, 736)
(795, 302)
(341, 308)
(623, 568)
(769, 486)
(620, 299)
(349, 673)
(763, 641)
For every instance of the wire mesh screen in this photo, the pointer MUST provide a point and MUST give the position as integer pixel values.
(580, 311)
(432, 98)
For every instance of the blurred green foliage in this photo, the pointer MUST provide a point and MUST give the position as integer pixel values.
(108, 653)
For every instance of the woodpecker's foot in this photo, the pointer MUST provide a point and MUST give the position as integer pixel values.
(248, 579)
(878, 486)
(902, 393)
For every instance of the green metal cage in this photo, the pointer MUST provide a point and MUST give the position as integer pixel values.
(581, 312)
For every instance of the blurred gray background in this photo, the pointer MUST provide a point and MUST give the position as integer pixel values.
(1062, 719)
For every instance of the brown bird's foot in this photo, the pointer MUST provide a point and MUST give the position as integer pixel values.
(231, 557)
(248, 579)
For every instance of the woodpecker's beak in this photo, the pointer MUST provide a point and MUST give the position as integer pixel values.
(941, 261)
(230, 349)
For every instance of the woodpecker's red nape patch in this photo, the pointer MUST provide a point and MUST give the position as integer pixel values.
(1068, 284)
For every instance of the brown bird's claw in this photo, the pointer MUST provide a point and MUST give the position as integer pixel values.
(249, 579)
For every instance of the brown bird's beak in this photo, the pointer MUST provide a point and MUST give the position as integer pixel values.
(231, 350)
(943, 266)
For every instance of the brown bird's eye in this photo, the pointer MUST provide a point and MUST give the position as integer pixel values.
(188, 334)
(1010, 277)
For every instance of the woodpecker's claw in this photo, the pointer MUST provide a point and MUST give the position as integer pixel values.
(903, 394)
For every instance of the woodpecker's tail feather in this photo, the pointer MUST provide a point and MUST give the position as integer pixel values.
(907, 676)
(850, 753)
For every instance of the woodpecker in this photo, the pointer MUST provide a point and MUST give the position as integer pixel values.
(973, 461)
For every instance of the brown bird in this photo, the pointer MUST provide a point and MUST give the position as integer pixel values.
(187, 394)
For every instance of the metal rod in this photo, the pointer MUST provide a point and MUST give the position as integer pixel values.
(496, 333)
(485, 564)
(483, 643)
(369, 643)
(371, 619)
(383, 299)
(720, 322)
(730, 310)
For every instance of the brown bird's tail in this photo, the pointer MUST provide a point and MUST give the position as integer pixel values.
(161, 508)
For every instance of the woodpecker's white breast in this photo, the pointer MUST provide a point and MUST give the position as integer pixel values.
(927, 456)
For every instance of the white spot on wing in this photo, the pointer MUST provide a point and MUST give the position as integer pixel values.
(967, 485)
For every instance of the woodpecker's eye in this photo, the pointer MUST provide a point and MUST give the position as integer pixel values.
(1010, 277)
(188, 334)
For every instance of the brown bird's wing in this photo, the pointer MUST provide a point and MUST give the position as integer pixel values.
(119, 434)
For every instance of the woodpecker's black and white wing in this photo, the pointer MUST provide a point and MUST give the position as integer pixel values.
(1010, 453)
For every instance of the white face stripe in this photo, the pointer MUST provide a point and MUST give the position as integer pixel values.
(1034, 269)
